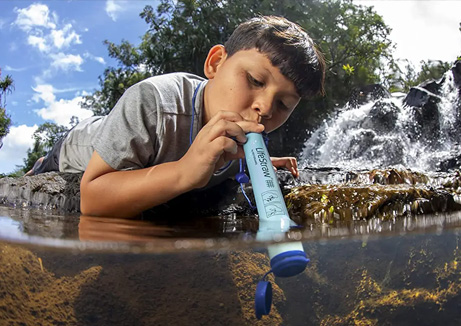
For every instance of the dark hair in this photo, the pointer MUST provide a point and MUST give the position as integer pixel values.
(287, 46)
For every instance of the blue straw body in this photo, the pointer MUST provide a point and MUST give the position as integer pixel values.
(271, 206)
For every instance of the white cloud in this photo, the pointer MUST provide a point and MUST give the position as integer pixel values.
(36, 15)
(38, 42)
(66, 62)
(65, 37)
(59, 111)
(50, 38)
(62, 111)
(42, 29)
(15, 146)
(44, 92)
(54, 40)
(95, 58)
(113, 9)
(9, 68)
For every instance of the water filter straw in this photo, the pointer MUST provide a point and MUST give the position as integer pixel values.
(286, 259)
(269, 198)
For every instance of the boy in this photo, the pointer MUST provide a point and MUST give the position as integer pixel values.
(174, 133)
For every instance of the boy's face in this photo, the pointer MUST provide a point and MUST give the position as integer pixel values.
(248, 83)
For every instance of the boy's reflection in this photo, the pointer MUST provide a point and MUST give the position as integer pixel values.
(118, 229)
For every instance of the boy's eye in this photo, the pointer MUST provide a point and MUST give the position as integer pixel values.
(282, 106)
(254, 81)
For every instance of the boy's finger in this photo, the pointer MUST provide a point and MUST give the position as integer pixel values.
(226, 128)
(225, 115)
(250, 126)
(223, 145)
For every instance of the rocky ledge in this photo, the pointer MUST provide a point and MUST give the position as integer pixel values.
(318, 196)
(51, 190)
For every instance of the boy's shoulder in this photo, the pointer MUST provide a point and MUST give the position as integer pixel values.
(168, 91)
(177, 80)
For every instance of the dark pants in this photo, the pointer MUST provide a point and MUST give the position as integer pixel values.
(51, 160)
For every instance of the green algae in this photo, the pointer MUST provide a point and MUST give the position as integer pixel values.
(383, 194)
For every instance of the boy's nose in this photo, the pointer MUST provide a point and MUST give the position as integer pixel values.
(265, 114)
(264, 111)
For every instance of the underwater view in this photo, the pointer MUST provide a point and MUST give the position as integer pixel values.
(57, 270)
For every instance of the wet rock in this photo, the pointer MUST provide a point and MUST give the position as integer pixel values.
(427, 91)
(381, 118)
(453, 162)
(328, 204)
(326, 193)
(52, 190)
(434, 86)
(61, 192)
(365, 94)
(456, 70)
(394, 176)
(425, 110)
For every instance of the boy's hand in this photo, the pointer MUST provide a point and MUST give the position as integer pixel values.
(290, 163)
(213, 146)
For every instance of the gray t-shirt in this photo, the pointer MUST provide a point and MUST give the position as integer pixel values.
(149, 125)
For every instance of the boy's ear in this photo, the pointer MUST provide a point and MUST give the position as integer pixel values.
(216, 57)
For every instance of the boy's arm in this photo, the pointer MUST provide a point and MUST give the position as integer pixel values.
(109, 192)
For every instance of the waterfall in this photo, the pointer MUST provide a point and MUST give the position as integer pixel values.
(417, 131)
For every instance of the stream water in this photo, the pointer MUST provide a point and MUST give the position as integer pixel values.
(372, 262)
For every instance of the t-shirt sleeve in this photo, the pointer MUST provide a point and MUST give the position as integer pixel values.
(127, 139)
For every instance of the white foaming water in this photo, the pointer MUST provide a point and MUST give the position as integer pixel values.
(386, 133)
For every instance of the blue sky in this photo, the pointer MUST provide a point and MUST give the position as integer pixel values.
(54, 51)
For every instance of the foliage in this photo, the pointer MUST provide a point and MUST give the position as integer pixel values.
(48, 133)
(403, 79)
(5, 123)
(33, 154)
(6, 87)
(432, 69)
(348, 69)
(181, 33)
(350, 35)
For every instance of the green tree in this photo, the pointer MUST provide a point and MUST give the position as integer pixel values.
(401, 80)
(349, 35)
(432, 69)
(6, 87)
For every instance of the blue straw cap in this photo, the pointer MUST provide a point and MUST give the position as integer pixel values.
(241, 177)
(263, 299)
(289, 263)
